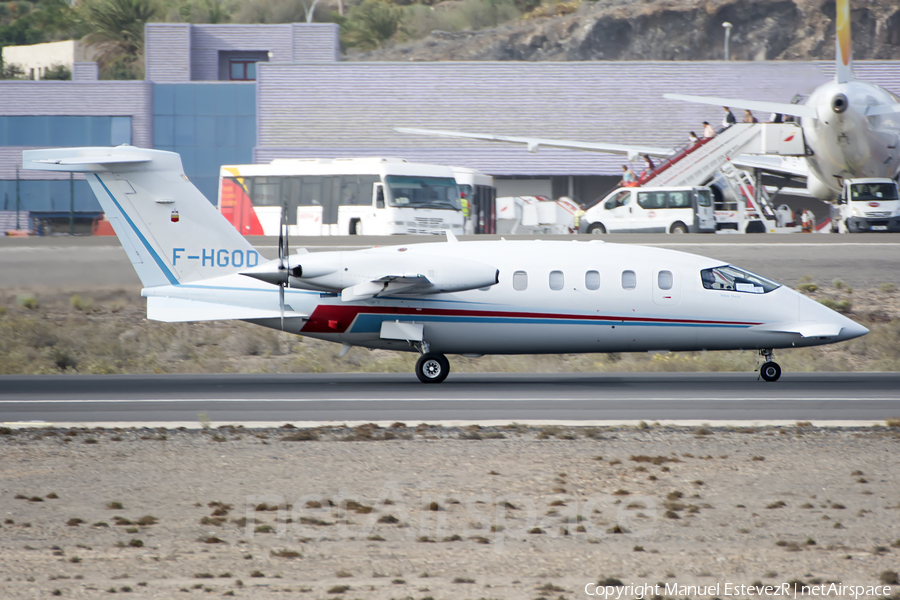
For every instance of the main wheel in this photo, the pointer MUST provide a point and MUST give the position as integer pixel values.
(432, 368)
(678, 228)
(770, 371)
(596, 229)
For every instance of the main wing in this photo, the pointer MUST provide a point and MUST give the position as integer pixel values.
(784, 108)
(633, 152)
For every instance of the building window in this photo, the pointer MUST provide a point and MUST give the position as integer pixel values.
(629, 280)
(557, 280)
(242, 69)
(520, 280)
(592, 280)
(665, 279)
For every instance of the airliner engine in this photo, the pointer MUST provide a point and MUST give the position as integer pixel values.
(358, 276)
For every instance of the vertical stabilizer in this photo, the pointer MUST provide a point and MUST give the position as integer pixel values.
(843, 50)
(169, 230)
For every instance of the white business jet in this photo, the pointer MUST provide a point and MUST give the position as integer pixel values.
(468, 298)
(851, 128)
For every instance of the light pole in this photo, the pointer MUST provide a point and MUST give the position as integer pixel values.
(727, 27)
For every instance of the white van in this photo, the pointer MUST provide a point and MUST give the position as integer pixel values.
(867, 205)
(652, 210)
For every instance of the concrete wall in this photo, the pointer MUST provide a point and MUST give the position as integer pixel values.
(349, 109)
(37, 58)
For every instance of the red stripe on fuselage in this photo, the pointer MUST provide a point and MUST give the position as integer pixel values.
(333, 318)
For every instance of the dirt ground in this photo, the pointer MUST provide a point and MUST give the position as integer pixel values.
(426, 512)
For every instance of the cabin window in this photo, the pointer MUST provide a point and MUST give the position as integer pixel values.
(629, 280)
(520, 280)
(664, 280)
(733, 279)
(557, 280)
(592, 280)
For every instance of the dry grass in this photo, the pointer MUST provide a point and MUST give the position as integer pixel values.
(107, 333)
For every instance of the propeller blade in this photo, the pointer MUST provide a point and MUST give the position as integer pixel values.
(281, 303)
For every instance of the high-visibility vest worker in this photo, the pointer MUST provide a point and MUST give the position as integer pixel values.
(578, 214)
(465, 206)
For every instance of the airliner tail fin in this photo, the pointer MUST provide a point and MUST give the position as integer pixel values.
(169, 230)
(843, 50)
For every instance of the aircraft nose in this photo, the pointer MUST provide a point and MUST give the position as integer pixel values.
(851, 330)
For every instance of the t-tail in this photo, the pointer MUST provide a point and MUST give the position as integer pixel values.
(169, 230)
(843, 50)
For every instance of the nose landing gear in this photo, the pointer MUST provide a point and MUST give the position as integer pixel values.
(770, 371)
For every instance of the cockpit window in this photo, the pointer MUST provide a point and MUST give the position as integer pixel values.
(733, 279)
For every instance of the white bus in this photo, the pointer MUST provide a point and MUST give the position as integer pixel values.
(478, 189)
(341, 196)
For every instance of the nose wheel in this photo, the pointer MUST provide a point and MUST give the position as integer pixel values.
(432, 368)
(770, 371)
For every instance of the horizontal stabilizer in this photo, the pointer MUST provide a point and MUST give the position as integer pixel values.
(81, 159)
(885, 109)
(805, 329)
(179, 310)
(534, 143)
(784, 108)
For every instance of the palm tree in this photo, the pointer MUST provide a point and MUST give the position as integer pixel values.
(116, 27)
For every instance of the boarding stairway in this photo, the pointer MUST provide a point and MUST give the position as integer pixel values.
(696, 164)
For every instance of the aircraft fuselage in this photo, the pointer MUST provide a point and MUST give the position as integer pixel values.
(846, 143)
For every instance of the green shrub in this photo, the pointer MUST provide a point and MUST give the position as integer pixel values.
(841, 306)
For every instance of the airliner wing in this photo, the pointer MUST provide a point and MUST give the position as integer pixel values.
(797, 110)
(534, 143)
(886, 109)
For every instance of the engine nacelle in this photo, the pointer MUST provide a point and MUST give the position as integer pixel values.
(818, 188)
(378, 272)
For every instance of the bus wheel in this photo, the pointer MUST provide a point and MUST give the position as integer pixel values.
(355, 227)
(597, 229)
(432, 368)
(678, 227)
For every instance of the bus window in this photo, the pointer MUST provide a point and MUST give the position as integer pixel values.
(423, 192)
(652, 200)
(703, 198)
(679, 199)
(620, 199)
(266, 191)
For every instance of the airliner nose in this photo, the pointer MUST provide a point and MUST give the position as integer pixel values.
(851, 330)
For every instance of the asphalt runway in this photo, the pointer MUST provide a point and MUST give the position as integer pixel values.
(338, 398)
(860, 260)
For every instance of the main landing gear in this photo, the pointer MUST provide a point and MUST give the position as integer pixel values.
(432, 368)
(770, 371)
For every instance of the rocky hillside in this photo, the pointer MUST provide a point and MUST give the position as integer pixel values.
(667, 30)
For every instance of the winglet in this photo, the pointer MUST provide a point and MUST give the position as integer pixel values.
(451, 239)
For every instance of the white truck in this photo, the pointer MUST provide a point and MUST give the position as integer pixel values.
(867, 205)
(679, 209)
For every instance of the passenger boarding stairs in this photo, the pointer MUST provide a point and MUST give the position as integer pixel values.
(696, 164)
